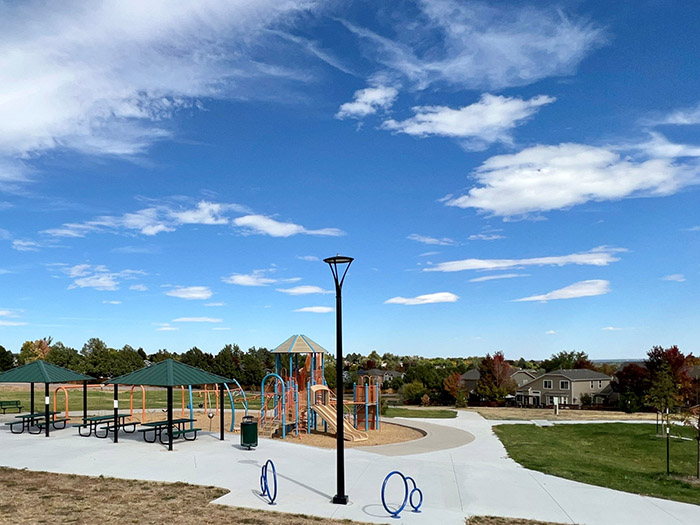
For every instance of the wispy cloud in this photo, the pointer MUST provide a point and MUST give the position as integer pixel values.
(367, 101)
(138, 287)
(304, 290)
(611, 328)
(214, 304)
(11, 314)
(439, 297)
(550, 332)
(111, 302)
(489, 120)
(98, 277)
(579, 289)
(260, 224)
(190, 292)
(498, 276)
(257, 278)
(166, 327)
(445, 241)
(601, 256)
(25, 245)
(309, 258)
(197, 320)
(315, 309)
(680, 117)
(676, 277)
(12, 323)
(486, 237)
(545, 178)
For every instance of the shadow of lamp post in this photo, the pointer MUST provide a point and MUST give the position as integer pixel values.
(337, 264)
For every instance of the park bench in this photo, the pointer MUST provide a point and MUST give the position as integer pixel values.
(13, 403)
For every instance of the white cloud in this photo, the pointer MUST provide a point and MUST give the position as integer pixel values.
(485, 237)
(310, 258)
(544, 178)
(25, 245)
(166, 327)
(103, 78)
(682, 117)
(98, 277)
(12, 323)
(579, 289)
(221, 328)
(487, 121)
(498, 276)
(439, 297)
(368, 101)
(315, 309)
(214, 304)
(677, 277)
(601, 256)
(304, 290)
(261, 224)
(257, 278)
(111, 302)
(445, 241)
(197, 320)
(190, 292)
(206, 213)
(138, 287)
(476, 45)
(550, 332)
(611, 328)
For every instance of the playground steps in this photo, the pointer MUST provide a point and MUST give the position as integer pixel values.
(269, 429)
(328, 414)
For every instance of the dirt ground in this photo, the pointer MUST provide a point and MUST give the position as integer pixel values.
(527, 414)
(494, 520)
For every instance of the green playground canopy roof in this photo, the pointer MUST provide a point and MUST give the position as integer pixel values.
(169, 373)
(299, 344)
(41, 372)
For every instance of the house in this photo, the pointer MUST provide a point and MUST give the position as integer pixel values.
(380, 376)
(567, 386)
(470, 378)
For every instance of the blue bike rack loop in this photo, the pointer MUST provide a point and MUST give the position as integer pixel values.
(407, 495)
(264, 484)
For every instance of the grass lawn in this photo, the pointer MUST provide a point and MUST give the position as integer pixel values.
(436, 413)
(628, 457)
(102, 399)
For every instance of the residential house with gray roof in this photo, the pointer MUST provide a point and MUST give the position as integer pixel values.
(566, 386)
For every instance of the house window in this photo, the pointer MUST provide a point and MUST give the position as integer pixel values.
(550, 400)
(600, 384)
(547, 383)
(592, 387)
(563, 385)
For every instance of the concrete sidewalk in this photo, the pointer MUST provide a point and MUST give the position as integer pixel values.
(476, 478)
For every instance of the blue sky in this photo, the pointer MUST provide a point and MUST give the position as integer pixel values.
(508, 175)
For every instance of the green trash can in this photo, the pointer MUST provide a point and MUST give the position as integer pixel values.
(249, 432)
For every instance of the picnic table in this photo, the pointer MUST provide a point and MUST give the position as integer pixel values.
(109, 425)
(27, 421)
(160, 430)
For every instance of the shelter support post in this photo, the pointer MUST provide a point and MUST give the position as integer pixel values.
(31, 403)
(47, 400)
(84, 401)
(116, 413)
(170, 418)
(221, 411)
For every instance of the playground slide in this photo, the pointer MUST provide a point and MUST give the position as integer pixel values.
(328, 414)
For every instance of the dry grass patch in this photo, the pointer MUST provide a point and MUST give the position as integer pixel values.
(526, 414)
(43, 497)
(495, 520)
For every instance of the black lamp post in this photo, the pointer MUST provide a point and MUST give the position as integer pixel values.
(335, 262)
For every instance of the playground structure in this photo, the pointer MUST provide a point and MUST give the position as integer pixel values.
(295, 398)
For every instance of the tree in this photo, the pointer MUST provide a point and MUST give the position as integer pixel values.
(225, 363)
(676, 363)
(692, 419)
(567, 360)
(34, 350)
(494, 378)
(7, 359)
(632, 384)
(411, 393)
(664, 392)
(451, 384)
(65, 356)
(161, 355)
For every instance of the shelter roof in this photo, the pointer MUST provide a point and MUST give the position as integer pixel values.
(169, 373)
(41, 372)
(299, 344)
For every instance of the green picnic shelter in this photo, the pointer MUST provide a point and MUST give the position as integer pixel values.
(42, 372)
(170, 373)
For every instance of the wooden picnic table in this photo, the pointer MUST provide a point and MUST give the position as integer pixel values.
(29, 420)
(160, 430)
(92, 422)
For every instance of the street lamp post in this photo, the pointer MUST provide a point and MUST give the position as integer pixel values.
(334, 262)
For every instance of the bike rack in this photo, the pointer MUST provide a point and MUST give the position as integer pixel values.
(265, 487)
(407, 496)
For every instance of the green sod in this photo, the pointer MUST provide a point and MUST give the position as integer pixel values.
(435, 413)
(628, 457)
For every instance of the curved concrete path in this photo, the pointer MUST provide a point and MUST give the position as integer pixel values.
(437, 437)
(476, 478)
